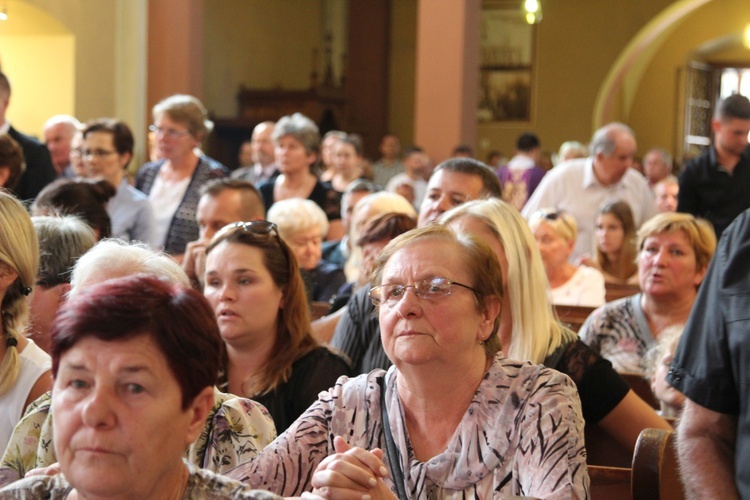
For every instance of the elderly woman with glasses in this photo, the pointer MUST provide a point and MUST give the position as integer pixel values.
(173, 182)
(254, 285)
(555, 233)
(439, 297)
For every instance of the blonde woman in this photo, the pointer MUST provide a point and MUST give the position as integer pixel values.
(555, 233)
(24, 367)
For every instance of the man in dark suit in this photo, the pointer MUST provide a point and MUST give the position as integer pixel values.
(39, 170)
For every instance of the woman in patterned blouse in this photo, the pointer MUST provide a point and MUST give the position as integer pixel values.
(461, 420)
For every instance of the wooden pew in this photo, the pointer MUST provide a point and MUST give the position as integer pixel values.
(573, 316)
(614, 291)
(603, 450)
(610, 483)
(656, 473)
(318, 310)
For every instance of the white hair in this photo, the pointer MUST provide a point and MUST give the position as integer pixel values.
(295, 215)
(112, 258)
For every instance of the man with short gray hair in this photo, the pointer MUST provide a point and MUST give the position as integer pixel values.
(657, 165)
(58, 135)
(580, 186)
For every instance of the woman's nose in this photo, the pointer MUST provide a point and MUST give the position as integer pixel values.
(410, 303)
(98, 410)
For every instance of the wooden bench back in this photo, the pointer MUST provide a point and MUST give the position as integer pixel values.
(573, 316)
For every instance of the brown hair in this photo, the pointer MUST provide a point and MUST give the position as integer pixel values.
(294, 336)
(385, 226)
(627, 262)
(11, 157)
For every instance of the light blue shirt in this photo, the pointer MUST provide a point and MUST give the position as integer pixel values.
(131, 214)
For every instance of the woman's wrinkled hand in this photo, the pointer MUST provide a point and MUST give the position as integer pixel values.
(350, 473)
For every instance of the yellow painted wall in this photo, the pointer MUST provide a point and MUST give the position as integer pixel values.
(260, 44)
(656, 107)
(577, 42)
(38, 91)
(402, 70)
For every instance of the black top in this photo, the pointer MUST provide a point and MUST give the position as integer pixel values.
(357, 334)
(314, 372)
(600, 387)
(712, 362)
(322, 194)
(709, 191)
(39, 169)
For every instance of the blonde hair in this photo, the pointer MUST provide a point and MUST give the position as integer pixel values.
(536, 331)
(562, 223)
(699, 233)
(188, 110)
(19, 253)
(667, 340)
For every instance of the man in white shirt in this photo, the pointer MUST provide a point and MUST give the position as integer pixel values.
(580, 186)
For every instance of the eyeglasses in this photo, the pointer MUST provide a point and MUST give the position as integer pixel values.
(96, 153)
(428, 289)
(168, 132)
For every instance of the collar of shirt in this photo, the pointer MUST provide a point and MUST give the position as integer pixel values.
(590, 180)
(5, 128)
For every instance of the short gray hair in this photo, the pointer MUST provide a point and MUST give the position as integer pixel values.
(295, 214)
(605, 139)
(301, 128)
(112, 258)
(62, 240)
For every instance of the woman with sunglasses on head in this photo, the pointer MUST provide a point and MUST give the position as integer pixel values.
(254, 285)
(555, 233)
(173, 182)
(453, 418)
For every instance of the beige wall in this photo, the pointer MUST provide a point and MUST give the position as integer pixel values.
(259, 44)
(657, 106)
(577, 42)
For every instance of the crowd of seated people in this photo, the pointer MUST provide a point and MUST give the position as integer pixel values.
(446, 299)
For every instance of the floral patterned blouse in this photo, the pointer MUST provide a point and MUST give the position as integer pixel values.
(201, 485)
(522, 434)
(235, 432)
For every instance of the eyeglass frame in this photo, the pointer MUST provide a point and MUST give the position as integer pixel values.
(378, 303)
(169, 132)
